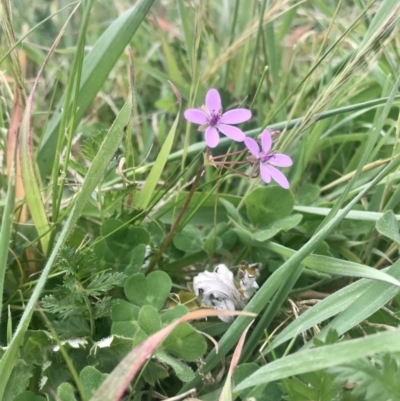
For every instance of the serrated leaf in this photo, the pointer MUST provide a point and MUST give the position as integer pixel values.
(377, 380)
(151, 290)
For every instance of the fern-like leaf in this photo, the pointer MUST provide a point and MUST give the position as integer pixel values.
(376, 380)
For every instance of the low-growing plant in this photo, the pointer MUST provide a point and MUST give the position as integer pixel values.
(254, 258)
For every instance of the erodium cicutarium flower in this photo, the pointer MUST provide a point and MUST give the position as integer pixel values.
(267, 159)
(211, 119)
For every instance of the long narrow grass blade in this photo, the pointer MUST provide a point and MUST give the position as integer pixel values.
(6, 228)
(323, 357)
(115, 384)
(372, 295)
(265, 293)
(30, 174)
(96, 170)
(340, 267)
(96, 68)
(162, 158)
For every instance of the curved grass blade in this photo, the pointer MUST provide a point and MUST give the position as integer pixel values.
(158, 167)
(115, 384)
(266, 292)
(29, 172)
(96, 170)
(6, 228)
(323, 357)
(96, 67)
(346, 304)
(340, 267)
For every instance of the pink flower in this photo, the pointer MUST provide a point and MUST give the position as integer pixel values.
(265, 158)
(211, 119)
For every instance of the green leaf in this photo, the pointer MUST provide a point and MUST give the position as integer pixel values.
(388, 226)
(138, 255)
(95, 70)
(91, 379)
(35, 343)
(329, 265)
(124, 316)
(189, 239)
(6, 229)
(353, 304)
(149, 320)
(323, 357)
(151, 290)
(65, 392)
(183, 371)
(117, 250)
(266, 205)
(377, 380)
(307, 194)
(29, 396)
(19, 380)
(144, 197)
(285, 224)
(185, 343)
(96, 170)
(30, 177)
(174, 313)
(153, 372)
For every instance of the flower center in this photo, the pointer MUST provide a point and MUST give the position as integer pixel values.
(264, 157)
(215, 117)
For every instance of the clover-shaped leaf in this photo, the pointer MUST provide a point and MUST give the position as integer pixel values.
(188, 240)
(149, 320)
(268, 204)
(185, 343)
(151, 290)
(124, 316)
(91, 379)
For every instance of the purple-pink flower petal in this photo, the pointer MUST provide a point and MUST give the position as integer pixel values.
(235, 116)
(266, 141)
(196, 116)
(280, 160)
(252, 145)
(212, 137)
(264, 172)
(232, 132)
(278, 177)
(213, 101)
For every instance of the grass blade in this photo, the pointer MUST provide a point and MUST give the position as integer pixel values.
(323, 357)
(100, 163)
(159, 164)
(96, 68)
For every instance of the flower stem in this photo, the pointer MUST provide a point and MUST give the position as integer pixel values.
(177, 221)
